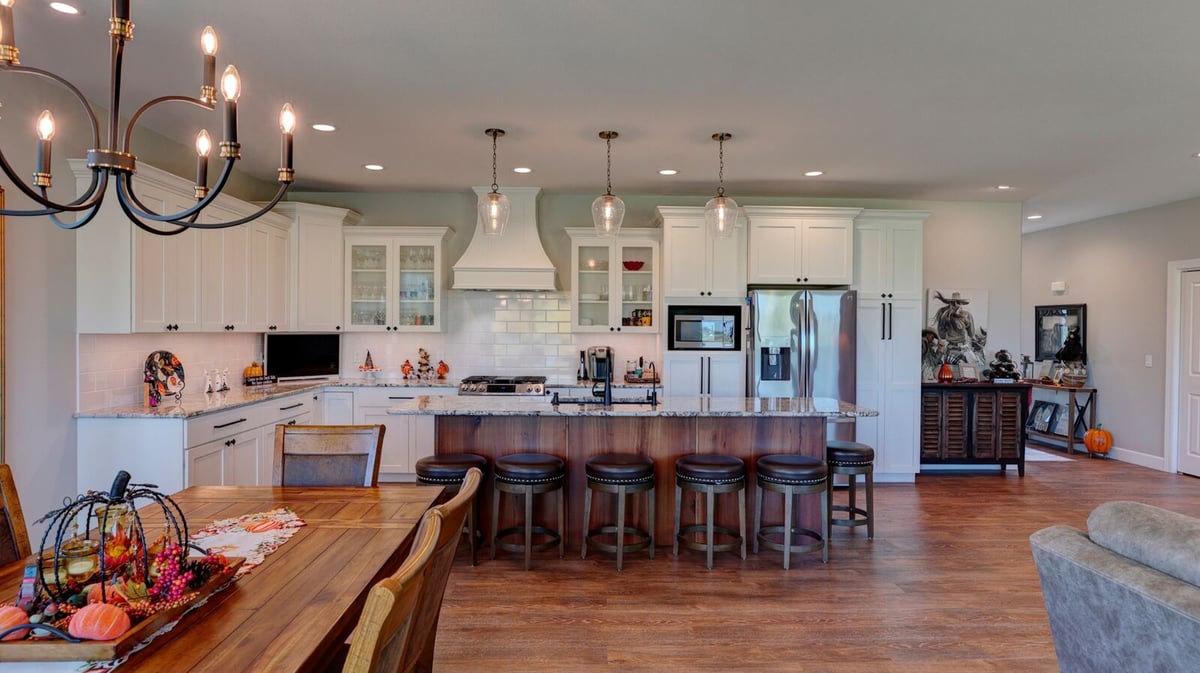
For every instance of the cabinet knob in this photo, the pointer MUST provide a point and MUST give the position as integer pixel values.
(806, 279)
(612, 329)
(337, 327)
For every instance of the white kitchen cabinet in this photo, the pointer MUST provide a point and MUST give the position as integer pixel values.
(801, 245)
(888, 248)
(318, 271)
(888, 278)
(129, 280)
(270, 276)
(614, 281)
(394, 279)
(407, 438)
(338, 408)
(691, 374)
(695, 264)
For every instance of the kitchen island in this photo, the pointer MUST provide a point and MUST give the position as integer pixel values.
(742, 427)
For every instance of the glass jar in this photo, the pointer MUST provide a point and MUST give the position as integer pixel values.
(81, 558)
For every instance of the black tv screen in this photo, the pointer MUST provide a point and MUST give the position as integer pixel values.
(293, 356)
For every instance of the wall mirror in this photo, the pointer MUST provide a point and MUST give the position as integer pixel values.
(1050, 327)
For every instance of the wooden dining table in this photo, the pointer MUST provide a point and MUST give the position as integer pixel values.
(293, 612)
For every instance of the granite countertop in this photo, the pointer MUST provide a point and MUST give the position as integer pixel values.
(197, 403)
(671, 406)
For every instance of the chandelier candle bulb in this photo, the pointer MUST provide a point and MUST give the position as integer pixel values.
(8, 49)
(231, 88)
(45, 133)
(203, 147)
(208, 45)
(287, 124)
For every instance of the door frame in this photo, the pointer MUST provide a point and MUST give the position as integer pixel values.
(1175, 271)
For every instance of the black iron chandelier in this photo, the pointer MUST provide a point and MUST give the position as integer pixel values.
(114, 158)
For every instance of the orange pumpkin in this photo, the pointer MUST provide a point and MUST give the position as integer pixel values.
(111, 593)
(10, 616)
(1098, 440)
(99, 621)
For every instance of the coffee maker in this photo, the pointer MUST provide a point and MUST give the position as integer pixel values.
(599, 362)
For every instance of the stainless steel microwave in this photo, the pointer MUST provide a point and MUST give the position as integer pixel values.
(694, 328)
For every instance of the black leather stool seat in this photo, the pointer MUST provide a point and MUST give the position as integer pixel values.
(708, 468)
(849, 453)
(620, 468)
(448, 468)
(529, 468)
(794, 470)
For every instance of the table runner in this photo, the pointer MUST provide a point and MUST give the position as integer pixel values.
(252, 536)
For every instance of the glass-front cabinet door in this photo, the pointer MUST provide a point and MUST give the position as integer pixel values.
(615, 281)
(394, 278)
(367, 263)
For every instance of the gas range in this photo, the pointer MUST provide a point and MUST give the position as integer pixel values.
(502, 385)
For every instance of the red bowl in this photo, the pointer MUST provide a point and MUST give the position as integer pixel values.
(633, 265)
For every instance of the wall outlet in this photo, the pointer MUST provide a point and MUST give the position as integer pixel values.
(1149, 360)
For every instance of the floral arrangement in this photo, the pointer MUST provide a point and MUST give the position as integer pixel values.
(98, 585)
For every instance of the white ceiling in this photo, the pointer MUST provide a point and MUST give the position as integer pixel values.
(1085, 107)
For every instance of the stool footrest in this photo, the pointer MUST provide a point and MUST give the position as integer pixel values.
(591, 540)
(520, 530)
(817, 544)
(735, 545)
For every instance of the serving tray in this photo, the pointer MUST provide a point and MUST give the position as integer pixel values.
(54, 649)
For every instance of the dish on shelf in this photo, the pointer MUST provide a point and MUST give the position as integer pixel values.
(589, 296)
(632, 265)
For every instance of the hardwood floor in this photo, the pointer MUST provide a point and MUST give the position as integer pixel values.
(947, 586)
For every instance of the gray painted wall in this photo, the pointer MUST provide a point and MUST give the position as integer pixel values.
(1117, 265)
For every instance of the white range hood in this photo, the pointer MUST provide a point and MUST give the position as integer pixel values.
(514, 260)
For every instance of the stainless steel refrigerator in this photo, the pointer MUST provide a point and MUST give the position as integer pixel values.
(802, 343)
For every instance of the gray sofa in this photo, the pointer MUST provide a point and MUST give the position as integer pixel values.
(1125, 596)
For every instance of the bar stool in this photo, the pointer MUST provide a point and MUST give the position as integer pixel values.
(710, 474)
(620, 473)
(852, 459)
(449, 470)
(792, 475)
(528, 474)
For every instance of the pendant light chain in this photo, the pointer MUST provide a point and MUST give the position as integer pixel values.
(608, 143)
(721, 170)
(495, 186)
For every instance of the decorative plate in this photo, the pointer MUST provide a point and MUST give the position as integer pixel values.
(164, 374)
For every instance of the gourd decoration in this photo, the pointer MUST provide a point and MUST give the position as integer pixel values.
(1098, 441)
(10, 616)
(99, 621)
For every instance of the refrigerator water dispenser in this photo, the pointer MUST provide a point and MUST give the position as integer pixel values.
(775, 363)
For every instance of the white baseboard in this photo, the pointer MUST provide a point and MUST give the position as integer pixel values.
(894, 478)
(1138, 458)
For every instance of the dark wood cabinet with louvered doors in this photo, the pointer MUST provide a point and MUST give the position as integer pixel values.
(973, 423)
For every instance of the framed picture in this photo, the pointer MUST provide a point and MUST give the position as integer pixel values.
(1050, 327)
(1042, 416)
(968, 372)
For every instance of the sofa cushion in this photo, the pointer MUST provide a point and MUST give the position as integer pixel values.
(1166, 541)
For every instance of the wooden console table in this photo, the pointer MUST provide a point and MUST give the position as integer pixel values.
(974, 423)
(1081, 415)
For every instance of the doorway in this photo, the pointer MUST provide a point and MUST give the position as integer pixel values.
(1182, 431)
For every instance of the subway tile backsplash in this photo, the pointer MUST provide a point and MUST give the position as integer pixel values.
(485, 333)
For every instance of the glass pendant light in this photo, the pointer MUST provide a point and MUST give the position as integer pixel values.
(494, 206)
(720, 213)
(608, 210)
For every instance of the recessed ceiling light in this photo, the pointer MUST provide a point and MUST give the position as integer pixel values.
(324, 127)
(668, 171)
(373, 167)
(814, 174)
(1003, 186)
(522, 170)
(1196, 155)
(64, 8)
(1033, 217)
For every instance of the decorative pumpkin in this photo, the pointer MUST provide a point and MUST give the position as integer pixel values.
(10, 616)
(254, 369)
(99, 621)
(1098, 440)
(111, 593)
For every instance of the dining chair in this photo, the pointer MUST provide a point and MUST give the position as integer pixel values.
(327, 455)
(418, 655)
(14, 537)
(380, 641)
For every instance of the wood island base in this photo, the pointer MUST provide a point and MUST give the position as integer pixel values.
(661, 438)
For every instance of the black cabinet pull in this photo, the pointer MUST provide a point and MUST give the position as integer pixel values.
(226, 425)
(293, 406)
(292, 422)
(337, 327)
(231, 442)
(401, 397)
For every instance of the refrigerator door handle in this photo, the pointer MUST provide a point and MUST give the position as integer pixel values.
(702, 375)
(889, 322)
(882, 321)
(810, 386)
(709, 374)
